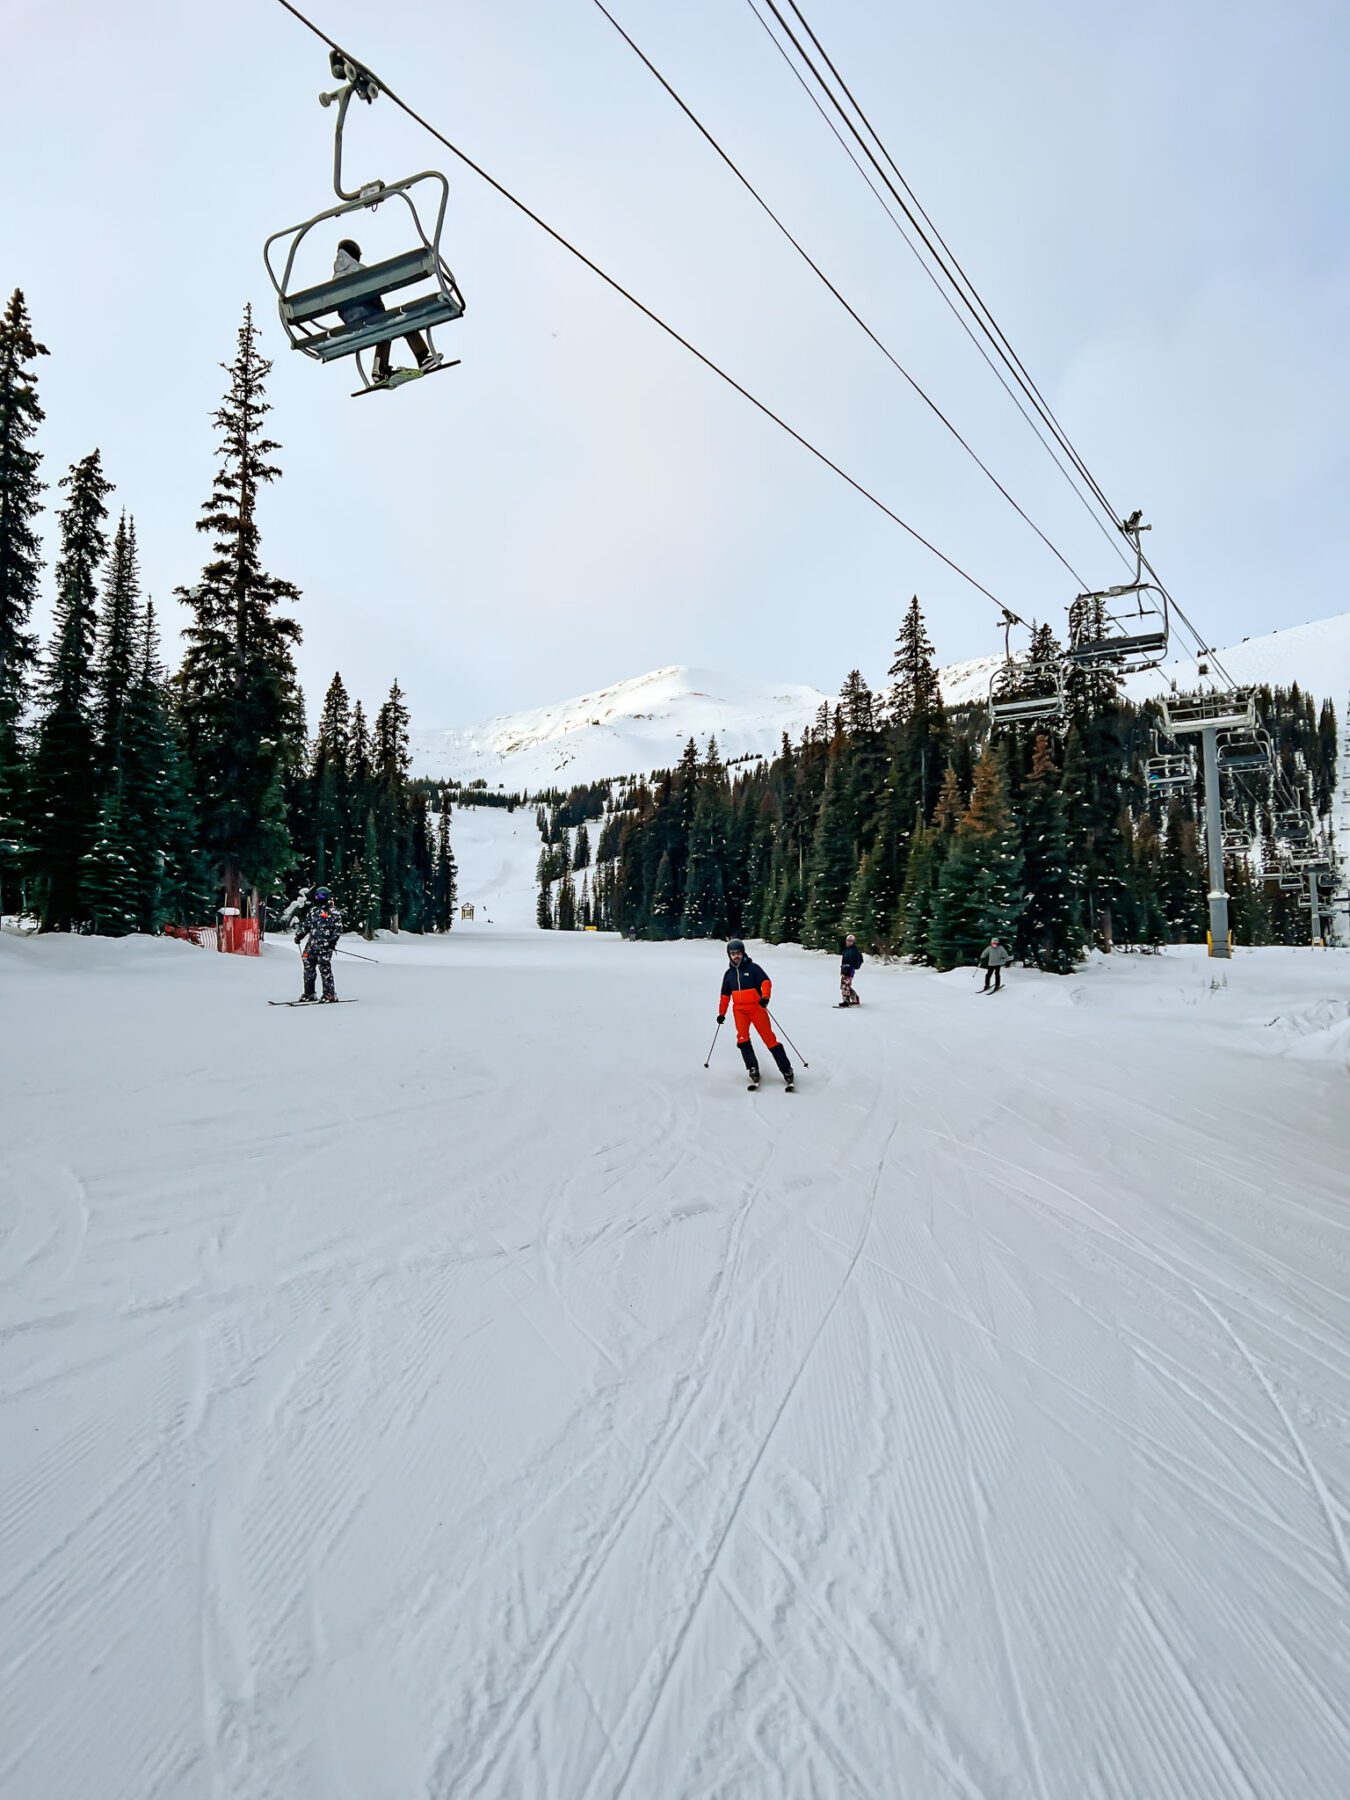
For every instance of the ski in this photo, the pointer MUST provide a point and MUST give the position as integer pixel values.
(351, 1002)
(399, 378)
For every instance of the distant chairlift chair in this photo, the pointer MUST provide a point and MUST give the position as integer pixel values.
(1025, 691)
(303, 311)
(1125, 628)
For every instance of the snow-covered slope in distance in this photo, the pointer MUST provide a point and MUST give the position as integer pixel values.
(642, 724)
(632, 727)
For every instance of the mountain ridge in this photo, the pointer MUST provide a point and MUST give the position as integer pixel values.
(642, 723)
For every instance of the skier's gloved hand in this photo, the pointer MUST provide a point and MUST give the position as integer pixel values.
(763, 1001)
(721, 1018)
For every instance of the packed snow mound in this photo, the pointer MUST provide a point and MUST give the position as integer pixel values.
(637, 726)
(632, 727)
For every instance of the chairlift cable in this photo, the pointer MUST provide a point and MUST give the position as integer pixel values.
(655, 318)
(816, 269)
(965, 289)
(992, 330)
(1050, 448)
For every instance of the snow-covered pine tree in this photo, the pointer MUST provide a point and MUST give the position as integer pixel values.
(445, 886)
(330, 788)
(238, 697)
(581, 853)
(980, 889)
(118, 646)
(704, 912)
(567, 905)
(832, 865)
(20, 567)
(391, 760)
(63, 799)
(1050, 932)
(107, 878)
(157, 815)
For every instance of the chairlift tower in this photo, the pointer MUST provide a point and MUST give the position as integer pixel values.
(1206, 715)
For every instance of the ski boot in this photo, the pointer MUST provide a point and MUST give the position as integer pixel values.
(780, 1056)
(751, 1066)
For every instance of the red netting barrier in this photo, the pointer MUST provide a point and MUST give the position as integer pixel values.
(237, 937)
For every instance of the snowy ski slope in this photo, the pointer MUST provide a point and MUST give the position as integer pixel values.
(464, 1394)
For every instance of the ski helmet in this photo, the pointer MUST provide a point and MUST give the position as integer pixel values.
(322, 894)
(735, 944)
(352, 248)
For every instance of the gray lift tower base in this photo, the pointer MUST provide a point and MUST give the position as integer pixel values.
(1205, 715)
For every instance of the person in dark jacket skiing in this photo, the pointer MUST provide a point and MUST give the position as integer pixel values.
(317, 934)
(746, 989)
(993, 960)
(849, 964)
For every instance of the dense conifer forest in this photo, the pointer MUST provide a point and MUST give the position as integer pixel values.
(132, 798)
(926, 835)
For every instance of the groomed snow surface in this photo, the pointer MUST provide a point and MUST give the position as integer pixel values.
(464, 1393)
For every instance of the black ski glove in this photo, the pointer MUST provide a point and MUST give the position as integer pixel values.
(763, 1001)
(721, 1018)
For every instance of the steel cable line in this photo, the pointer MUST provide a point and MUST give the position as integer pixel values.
(972, 299)
(965, 288)
(1050, 449)
(655, 318)
(815, 268)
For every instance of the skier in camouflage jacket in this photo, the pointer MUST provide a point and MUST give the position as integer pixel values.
(317, 933)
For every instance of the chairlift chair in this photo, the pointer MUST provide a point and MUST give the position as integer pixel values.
(309, 315)
(1168, 774)
(1025, 691)
(1245, 750)
(1292, 826)
(1184, 713)
(1126, 627)
(1237, 840)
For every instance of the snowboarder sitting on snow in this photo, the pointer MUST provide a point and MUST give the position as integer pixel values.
(849, 964)
(993, 959)
(746, 988)
(318, 931)
(361, 312)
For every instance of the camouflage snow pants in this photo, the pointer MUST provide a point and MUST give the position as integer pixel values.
(320, 960)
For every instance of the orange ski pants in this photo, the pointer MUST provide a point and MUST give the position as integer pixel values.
(755, 1015)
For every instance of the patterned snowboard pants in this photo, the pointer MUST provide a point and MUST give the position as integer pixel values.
(319, 961)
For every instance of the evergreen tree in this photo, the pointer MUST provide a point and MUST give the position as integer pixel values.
(705, 913)
(391, 760)
(917, 715)
(1182, 881)
(832, 861)
(239, 701)
(445, 885)
(663, 912)
(1050, 932)
(567, 905)
(543, 911)
(980, 889)
(107, 877)
(20, 567)
(63, 802)
(118, 641)
(330, 787)
(153, 785)
(581, 856)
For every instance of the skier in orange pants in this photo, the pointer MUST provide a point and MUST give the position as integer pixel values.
(746, 988)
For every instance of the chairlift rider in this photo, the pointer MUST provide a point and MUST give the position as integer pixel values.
(360, 312)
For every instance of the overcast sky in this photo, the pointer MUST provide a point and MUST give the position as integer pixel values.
(1153, 203)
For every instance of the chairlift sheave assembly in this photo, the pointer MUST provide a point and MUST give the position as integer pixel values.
(1126, 627)
(312, 317)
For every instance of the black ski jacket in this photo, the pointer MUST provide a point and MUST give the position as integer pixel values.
(852, 958)
(746, 981)
(322, 925)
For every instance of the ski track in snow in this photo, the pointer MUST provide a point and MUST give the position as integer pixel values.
(474, 1397)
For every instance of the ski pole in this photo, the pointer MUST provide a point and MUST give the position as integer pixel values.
(713, 1045)
(791, 1045)
(357, 954)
